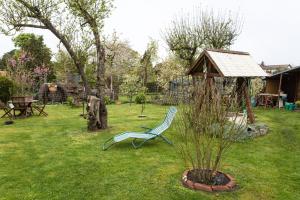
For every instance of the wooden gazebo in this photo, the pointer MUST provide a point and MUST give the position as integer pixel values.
(235, 64)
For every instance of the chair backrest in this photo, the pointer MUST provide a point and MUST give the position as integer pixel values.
(2, 105)
(166, 123)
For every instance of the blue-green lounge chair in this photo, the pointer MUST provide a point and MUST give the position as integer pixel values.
(144, 136)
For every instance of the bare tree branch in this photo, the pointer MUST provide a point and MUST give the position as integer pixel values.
(188, 35)
(30, 26)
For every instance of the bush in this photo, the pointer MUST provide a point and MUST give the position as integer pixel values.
(207, 128)
(71, 101)
(108, 101)
(298, 104)
(6, 88)
(140, 98)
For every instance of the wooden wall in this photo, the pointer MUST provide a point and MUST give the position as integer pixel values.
(298, 87)
(272, 86)
(290, 86)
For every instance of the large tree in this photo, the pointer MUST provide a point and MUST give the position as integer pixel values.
(5, 59)
(39, 57)
(120, 59)
(76, 24)
(149, 56)
(92, 13)
(189, 34)
(50, 15)
(34, 46)
(169, 69)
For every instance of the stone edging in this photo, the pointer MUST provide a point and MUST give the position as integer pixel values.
(208, 188)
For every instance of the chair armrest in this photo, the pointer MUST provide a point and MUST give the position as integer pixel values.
(151, 133)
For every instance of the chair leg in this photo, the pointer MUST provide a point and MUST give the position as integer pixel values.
(166, 139)
(109, 142)
(41, 110)
(135, 145)
(11, 116)
(8, 113)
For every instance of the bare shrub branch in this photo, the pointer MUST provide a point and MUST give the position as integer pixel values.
(208, 126)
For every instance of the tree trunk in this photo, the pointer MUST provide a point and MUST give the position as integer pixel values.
(101, 87)
(116, 91)
(145, 74)
(93, 105)
(112, 95)
(102, 124)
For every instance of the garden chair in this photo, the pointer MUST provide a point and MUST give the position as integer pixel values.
(40, 108)
(7, 110)
(145, 136)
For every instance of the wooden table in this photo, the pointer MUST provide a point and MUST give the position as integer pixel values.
(267, 99)
(24, 107)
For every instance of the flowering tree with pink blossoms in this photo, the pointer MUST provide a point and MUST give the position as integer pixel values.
(22, 77)
(41, 73)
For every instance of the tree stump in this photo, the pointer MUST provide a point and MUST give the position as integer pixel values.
(93, 108)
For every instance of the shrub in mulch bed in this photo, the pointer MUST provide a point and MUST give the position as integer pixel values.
(220, 182)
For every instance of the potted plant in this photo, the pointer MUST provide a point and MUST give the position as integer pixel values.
(206, 133)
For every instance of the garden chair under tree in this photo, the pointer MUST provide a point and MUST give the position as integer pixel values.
(150, 134)
(7, 110)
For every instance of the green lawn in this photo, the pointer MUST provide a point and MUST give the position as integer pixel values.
(55, 158)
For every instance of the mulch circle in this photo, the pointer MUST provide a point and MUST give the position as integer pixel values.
(229, 186)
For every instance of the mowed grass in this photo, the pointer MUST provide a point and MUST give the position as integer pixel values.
(55, 157)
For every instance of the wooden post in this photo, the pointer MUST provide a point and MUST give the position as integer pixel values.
(279, 90)
(248, 102)
(297, 89)
(239, 90)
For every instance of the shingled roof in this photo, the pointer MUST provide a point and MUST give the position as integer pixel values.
(228, 64)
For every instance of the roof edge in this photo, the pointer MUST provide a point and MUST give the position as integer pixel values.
(229, 51)
(285, 71)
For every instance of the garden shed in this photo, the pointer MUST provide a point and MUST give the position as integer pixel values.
(232, 64)
(287, 82)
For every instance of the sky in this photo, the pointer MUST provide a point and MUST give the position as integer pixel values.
(270, 31)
